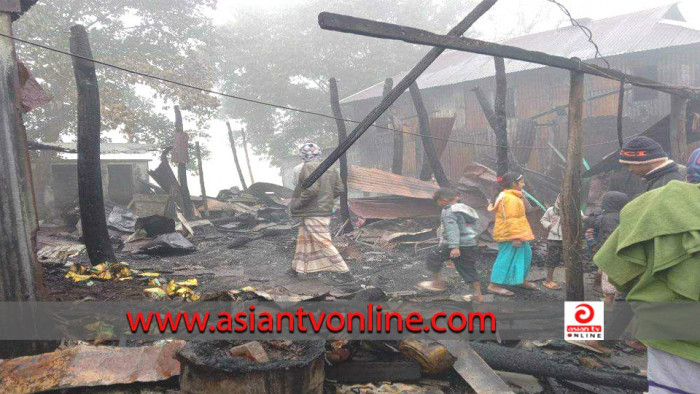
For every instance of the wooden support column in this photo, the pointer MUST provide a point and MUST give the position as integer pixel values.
(501, 117)
(247, 158)
(201, 180)
(180, 155)
(393, 123)
(92, 209)
(18, 266)
(397, 91)
(677, 135)
(232, 141)
(620, 109)
(571, 204)
(424, 130)
(342, 135)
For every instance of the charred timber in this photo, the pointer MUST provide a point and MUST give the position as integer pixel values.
(90, 198)
(182, 161)
(571, 198)
(201, 180)
(501, 117)
(397, 157)
(424, 130)
(232, 141)
(366, 27)
(397, 91)
(539, 364)
(342, 136)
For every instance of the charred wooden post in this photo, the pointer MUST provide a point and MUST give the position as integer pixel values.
(620, 108)
(18, 266)
(342, 135)
(92, 208)
(397, 91)
(180, 155)
(393, 123)
(424, 130)
(247, 158)
(677, 135)
(232, 141)
(571, 209)
(201, 180)
(501, 117)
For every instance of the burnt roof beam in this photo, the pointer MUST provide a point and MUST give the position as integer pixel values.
(366, 27)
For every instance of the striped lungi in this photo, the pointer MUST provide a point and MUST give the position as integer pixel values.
(315, 251)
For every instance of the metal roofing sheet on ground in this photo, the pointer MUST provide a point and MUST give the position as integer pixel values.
(655, 28)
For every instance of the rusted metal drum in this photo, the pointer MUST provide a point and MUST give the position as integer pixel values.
(206, 367)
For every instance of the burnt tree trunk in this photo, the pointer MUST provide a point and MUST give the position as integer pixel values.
(232, 141)
(180, 155)
(92, 208)
(18, 267)
(397, 91)
(424, 130)
(501, 117)
(201, 180)
(677, 134)
(571, 209)
(342, 135)
(247, 158)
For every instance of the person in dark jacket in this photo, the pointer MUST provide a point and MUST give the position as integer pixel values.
(645, 158)
(315, 251)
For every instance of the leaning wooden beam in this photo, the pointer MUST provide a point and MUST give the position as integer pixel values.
(180, 155)
(90, 198)
(18, 266)
(393, 123)
(244, 140)
(201, 179)
(501, 117)
(397, 91)
(33, 145)
(571, 209)
(232, 141)
(366, 27)
(342, 136)
(424, 130)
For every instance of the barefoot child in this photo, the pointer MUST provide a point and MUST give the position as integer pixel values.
(552, 222)
(458, 243)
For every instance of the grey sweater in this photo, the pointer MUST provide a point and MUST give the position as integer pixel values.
(458, 222)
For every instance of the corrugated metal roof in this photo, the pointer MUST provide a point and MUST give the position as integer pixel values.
(646, 30)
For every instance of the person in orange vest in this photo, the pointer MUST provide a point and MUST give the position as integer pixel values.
(513, 234)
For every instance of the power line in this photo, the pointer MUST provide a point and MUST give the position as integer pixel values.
(284, 107)
(586, 30)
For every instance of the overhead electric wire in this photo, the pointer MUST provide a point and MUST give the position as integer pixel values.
(254, 101)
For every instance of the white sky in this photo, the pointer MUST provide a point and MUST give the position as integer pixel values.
(497, 24)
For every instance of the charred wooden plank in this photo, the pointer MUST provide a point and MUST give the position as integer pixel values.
(428, 146)
(397, 91)
(342, 136)
(201, 180)
(232, 141)
(501, 117)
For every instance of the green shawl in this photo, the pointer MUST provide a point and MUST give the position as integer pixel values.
(651, 255)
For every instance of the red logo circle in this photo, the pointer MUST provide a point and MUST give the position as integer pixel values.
(584, 313)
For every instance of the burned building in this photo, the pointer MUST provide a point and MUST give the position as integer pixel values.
(656, 44)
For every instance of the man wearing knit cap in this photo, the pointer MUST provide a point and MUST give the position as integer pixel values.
(645, 158)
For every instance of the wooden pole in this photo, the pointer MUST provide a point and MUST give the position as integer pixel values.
(424, 130)
(342, 135)
(247, 158)
(366, 27)
(232, 141)
(571, 199)
(181, 151)
(501, 117)
(620, 108)
(397, 91)
(201, 180)
(677, 135)
(18, 266)
(90, 198)
(393, 123)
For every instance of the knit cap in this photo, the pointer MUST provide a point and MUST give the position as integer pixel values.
(642, 150)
